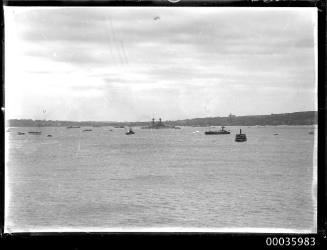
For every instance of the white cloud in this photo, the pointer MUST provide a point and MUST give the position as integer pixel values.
(121, 64)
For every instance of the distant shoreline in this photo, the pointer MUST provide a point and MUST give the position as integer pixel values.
(295, 118)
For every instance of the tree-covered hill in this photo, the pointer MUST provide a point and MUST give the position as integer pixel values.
(296, 118)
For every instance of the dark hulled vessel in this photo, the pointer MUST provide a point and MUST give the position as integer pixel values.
(159, 125)
(222, 131)
(130, 132)
(240, 137)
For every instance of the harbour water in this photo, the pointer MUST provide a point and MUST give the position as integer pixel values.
(167, 178)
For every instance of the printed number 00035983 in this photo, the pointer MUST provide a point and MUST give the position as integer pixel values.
(290, 241)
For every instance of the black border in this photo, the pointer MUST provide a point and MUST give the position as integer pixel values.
(153, 240)
(196, 3)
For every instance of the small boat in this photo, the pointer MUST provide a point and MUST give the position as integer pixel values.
(222, 131)
(130, 132)
(240, 137)
(49, 135)
(73, 127)
(21, 133)
(311, 133)
(35, 132)
(119, 127)
(276, 134)
(87, 130)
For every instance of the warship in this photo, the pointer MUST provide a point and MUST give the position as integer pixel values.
(159, 125)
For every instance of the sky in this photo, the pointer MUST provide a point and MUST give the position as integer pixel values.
(135, 63)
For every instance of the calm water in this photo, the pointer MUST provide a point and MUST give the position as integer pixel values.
(160, 178)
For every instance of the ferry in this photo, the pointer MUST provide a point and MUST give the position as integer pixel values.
(222, 131)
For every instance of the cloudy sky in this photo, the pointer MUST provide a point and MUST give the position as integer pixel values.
(128, 64)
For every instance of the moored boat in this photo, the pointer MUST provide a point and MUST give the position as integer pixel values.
(35, 132)
(130, 132)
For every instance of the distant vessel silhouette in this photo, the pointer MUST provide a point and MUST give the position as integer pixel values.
(73, 127)
(35, 132)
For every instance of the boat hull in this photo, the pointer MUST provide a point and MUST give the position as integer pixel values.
(240, 138)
